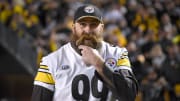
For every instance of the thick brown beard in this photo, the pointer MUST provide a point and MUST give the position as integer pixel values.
(88, 39)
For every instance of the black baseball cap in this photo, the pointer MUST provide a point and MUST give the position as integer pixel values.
(88, 10)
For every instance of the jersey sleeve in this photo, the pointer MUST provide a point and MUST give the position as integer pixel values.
(123, 59)
(44, 76)
(117, 69)
(41, 94)
(119, 60)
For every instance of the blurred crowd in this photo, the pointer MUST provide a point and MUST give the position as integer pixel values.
(149, 29)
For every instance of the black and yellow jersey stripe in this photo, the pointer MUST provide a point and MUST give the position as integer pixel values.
(44, 76)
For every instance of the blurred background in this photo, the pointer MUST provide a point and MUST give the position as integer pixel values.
(149, 29)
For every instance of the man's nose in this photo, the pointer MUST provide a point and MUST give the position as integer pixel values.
(87, 29)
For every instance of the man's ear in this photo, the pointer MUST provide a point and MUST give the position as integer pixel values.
(102, 27)
(73, 27)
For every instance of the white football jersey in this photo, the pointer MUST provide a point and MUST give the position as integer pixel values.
(65, 73)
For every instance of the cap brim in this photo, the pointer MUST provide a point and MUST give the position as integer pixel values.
(82, 17)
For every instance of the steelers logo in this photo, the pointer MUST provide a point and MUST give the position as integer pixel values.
(89, 9)
(111, 62)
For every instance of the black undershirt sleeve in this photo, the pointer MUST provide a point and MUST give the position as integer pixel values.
(125, 85)
(41, 94)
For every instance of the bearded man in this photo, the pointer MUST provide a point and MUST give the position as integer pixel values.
(86, 68)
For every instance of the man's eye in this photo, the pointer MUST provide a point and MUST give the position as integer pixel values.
(94, 24)
(83, 24)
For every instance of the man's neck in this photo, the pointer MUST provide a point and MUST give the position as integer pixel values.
(75, 47)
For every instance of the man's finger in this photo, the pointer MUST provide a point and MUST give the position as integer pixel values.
(81, 47)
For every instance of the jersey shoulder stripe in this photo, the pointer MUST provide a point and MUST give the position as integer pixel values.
(123, 62)
(44, 77)
(44, 67)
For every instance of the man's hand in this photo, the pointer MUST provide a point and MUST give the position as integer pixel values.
(91, 57)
